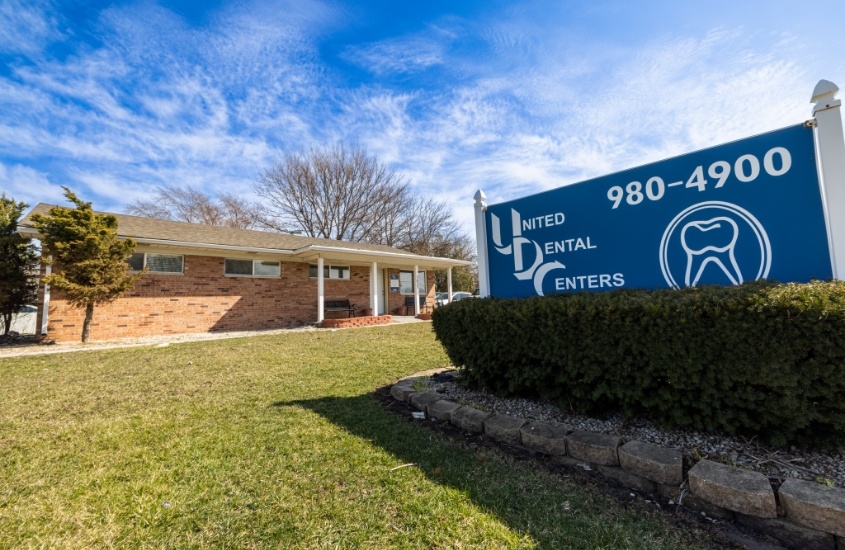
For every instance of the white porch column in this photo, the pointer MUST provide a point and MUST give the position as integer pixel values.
(374, 289)
(481, 244)
(449, 285)
(416, 292)
(830, 145)
(321, 291)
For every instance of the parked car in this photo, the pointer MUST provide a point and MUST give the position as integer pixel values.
(443, 297)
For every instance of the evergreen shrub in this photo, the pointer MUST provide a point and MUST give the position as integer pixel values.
(763, 358)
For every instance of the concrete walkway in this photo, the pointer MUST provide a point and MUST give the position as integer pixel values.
(164, 340)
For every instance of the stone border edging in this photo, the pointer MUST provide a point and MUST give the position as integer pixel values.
(800, 514)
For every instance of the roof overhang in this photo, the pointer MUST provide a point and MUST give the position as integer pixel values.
(392, 259)
(310, 253)
(27, 231)
(209, 247)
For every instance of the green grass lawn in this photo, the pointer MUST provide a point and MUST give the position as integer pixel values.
(274, 442)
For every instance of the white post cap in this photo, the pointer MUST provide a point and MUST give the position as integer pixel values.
(823, 96)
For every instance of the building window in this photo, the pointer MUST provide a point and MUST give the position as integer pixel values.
(330, 271)
(164, 263)
(266, 269)
(252, 268)
(157, 263)
(407, 287)
(136, 262)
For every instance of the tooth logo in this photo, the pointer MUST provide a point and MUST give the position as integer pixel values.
(702, 256)
(714, 243)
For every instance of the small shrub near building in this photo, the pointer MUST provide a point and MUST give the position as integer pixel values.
(761, 359)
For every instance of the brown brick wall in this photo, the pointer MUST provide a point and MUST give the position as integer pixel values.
(203, 299)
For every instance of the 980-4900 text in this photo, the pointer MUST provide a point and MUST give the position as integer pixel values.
(776, 162)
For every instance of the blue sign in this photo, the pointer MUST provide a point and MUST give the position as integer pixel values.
(742, 211)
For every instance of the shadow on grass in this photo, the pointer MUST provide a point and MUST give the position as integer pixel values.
(552, 511)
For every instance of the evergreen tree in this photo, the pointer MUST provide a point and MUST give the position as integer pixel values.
(18, 263)
(90, 257)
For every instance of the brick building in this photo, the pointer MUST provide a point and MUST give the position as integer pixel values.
(203, 278)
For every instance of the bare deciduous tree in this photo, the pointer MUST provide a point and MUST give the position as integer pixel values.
(342, 193)
(430, 230)
(192, 204)
(335, 193)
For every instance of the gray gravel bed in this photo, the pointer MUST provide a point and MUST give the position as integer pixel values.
(742, 452)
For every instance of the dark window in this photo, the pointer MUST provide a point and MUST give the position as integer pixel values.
(330, 271)
(136, 261)
(238, 267)
(407, 287)
(164, 263)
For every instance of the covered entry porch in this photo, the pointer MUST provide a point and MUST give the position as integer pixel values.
(394, 279)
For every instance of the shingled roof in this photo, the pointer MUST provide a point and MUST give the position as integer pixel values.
(192, 235)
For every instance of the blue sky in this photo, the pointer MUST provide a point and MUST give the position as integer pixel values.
(112, 99)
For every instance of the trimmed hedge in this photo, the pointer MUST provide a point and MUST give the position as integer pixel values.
(761, 359)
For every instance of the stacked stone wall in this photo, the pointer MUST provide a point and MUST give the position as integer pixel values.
(799, 514)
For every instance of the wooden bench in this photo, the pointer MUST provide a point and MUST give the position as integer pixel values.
(339, 305)
(409, 304)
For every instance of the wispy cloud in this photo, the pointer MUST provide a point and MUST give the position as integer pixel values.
(27, 185)
(404, 54)
(513, 101)
(27, 26)
(552, 121)
(160, 103)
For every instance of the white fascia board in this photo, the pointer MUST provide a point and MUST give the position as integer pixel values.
(208, 246)
(413, 258)
(26, 231)
(32, 232)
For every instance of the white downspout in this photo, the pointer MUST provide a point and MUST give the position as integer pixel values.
(374, 289)
(321, 295)
(45, 313)
(416, 291)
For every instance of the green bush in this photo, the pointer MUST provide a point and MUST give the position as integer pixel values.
(761, 359)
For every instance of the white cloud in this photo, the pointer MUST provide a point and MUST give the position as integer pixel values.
(513, 103)
(404, 54)
(554, 121)
(25, 184)
(159, 103)
(27, 26)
